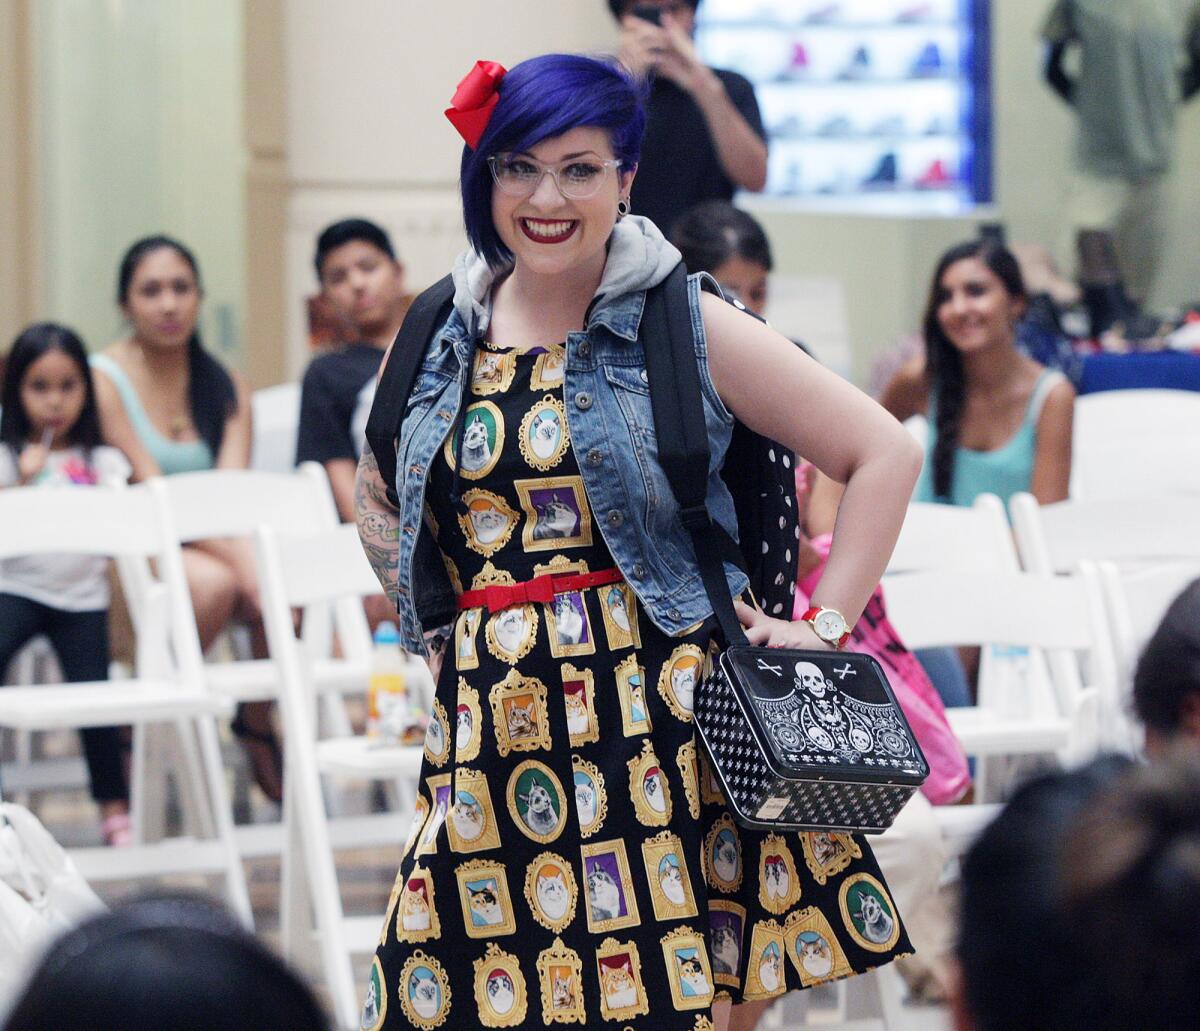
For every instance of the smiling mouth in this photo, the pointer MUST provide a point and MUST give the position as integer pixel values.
(544, 230)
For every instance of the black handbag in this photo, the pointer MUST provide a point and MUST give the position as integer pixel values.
(797, 739)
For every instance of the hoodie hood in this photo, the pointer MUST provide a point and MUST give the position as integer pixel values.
(639, 257)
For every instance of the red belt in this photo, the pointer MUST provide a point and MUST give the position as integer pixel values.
(541, 588)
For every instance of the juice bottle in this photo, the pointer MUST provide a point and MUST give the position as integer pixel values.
(387, 695)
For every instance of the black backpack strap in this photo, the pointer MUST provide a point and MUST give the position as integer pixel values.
(427, 312)
(683, 452)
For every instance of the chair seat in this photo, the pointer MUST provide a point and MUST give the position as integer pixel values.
(258, 679)
(359, 757)
(103, 703)
(159, 859)
(984, 731)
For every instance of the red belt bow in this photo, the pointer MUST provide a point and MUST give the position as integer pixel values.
(540, 589)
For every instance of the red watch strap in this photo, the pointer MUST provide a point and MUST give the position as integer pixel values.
(811, 614)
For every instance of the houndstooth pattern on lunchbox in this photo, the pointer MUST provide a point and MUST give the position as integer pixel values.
(793, 748)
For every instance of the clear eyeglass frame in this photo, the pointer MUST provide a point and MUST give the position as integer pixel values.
(498, 163)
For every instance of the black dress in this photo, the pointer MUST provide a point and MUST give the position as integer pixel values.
(572, 861)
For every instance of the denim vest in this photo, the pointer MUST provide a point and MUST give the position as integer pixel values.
(611, 427)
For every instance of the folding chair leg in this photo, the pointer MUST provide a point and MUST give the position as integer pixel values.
(213, 772)
(891, 996)
(295, 914)
(197, 804)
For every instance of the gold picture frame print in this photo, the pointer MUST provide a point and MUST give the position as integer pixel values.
(560, 974)
(579, 693)
(424, 991)
(519, 714)
(466, 639)
(813, 948)
(609, 900)
(568, 624)
(416, 913)
(631, 689)
(487, 522)
(487, 908)
(765, 977)
(648, 788)
(551, 891)
(468, 723)
(471, 823)
(437, 736)
(670, 881)
(549, 369)
(679, 678)
(689, 771)
(622, 992)
(557, 515)
(492, 372)
(778, 880)
(483, 440)
(688, 969)
(618, 606)
(544, 436)
(827, 854)
(500, 994)
(536, 801)
(591, 800)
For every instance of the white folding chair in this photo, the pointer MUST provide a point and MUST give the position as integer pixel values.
(276, 412)
(952, 537)
(1060, 620)
(1136, 443)
(222, 504)
(168, 688)
(1147, 549)
(310, 572)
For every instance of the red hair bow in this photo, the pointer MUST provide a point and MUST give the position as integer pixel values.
(471, 107)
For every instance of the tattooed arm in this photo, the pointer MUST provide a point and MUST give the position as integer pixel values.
(378, 525)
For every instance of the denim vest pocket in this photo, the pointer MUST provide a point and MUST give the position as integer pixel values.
(631, 390)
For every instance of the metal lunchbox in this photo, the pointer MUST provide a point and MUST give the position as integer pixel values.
(807, 740)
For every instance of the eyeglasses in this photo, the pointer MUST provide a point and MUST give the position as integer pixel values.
(576, 178)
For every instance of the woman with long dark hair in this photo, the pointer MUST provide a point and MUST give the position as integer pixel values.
(173, 408)
(998, 421)
(570, 863)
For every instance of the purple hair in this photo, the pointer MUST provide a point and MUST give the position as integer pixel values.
(541, 98)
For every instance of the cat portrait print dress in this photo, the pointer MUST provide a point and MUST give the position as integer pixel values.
(572, 860)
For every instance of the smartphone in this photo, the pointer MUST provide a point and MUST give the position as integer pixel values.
(648, 12)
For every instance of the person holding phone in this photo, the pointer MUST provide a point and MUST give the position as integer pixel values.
(704, 133)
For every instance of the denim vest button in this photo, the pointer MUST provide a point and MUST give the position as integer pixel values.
(595, 457)
(615, 518)
(639, 570)
(675, 614)
(584, 349)
(583, 400)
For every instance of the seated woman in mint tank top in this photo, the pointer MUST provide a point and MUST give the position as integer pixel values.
(173, 408)
(998, 421)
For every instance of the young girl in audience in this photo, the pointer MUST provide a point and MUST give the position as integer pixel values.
(50, 436)
(173, 408)
(999, 422)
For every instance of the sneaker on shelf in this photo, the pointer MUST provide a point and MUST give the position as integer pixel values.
(798, 65)
(915, 13)
(792, 125)
(939, 125)
(929, 64)
(935, 177)
(886, 174)
(892, 125)
(823, 14)
(837, 126)
(859, 66)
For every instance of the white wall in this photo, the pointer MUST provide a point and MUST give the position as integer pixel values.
(366, 87)
(138, 107)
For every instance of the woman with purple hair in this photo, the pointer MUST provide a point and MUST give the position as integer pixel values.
(573, 860)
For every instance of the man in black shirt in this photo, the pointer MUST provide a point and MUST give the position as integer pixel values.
(704, 134)
(364, 284)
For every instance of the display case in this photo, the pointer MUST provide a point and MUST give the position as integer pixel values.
(864, 99)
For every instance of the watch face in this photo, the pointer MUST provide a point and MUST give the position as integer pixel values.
(829, 625)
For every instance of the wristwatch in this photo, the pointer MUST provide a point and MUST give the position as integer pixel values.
(829, 625)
